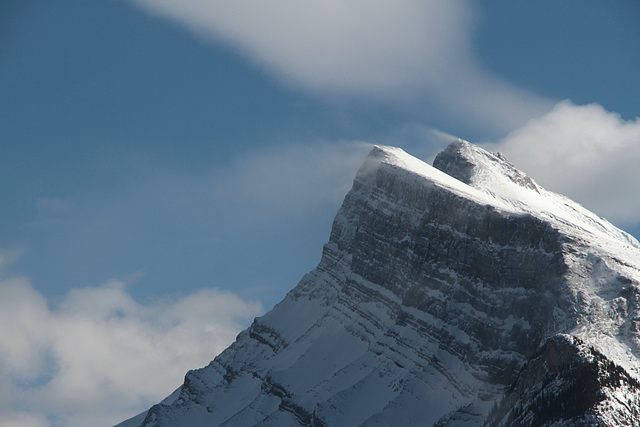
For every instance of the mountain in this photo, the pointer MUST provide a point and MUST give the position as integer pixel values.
(462, 294)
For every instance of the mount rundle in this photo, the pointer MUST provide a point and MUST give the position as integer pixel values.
(462, 294)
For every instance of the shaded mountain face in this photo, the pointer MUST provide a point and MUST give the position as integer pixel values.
(460, 294)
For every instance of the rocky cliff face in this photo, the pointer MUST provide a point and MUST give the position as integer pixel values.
(568, 383)
(439, 300)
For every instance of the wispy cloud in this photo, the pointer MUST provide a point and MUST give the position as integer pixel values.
(267, 199)
(289, 179)
(391, 50)
(354, 46)
(97, 356)
(8, 257)
(584, 152)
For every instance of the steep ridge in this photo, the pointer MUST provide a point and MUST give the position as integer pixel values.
(434, 301)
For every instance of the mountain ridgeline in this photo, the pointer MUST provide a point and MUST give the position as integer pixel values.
(462, 294)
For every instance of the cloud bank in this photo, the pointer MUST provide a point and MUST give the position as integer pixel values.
(97, 357)
(584, 152)
(391, 50)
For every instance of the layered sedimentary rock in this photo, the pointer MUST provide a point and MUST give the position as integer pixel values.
(460, 294)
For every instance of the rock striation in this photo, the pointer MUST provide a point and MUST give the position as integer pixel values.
(462, 294)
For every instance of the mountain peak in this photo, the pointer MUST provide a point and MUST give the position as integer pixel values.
(439, 296)
(494, 175)
(473, 165)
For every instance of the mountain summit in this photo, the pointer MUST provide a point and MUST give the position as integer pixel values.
(462, 294)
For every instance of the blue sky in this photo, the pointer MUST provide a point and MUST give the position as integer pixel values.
(159, 157)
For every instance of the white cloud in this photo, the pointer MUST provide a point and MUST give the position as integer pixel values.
(98, 356)
(293, 179)
(356, 45)
(584, 152)
(388, 49)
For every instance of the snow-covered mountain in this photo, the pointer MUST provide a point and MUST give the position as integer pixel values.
(462, 294)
